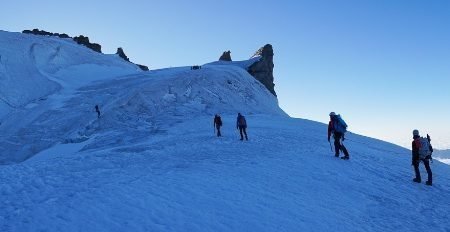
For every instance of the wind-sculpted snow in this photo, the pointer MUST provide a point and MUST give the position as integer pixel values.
(20, 78)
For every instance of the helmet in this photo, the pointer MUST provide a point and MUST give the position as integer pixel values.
(416, 132)
(332, 114)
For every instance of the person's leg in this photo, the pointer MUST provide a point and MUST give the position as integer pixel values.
(240, 131)
(218, 131)
(430, 174)
(416, 170)
(245, 133)
(344, 150)
(337, 144)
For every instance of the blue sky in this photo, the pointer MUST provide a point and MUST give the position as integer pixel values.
(384, 65)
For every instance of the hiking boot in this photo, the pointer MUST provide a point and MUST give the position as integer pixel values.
(337, 155)
(246, 138)
(345, 157)
(241, 139)
(430, 183)
(417, 180)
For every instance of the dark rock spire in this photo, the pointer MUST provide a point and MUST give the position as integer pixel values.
(226, 56)
(262, 70)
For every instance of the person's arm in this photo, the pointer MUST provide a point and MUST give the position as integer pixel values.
(330, 128)
(429, 141)
(414, 152)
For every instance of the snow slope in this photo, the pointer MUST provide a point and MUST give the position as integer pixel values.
(134, 106)
(184, 179)
(37, 74)
(33, 67)
(152, 162)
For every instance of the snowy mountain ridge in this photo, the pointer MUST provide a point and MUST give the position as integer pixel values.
(32, 67)
(152, 162)
(65, 73)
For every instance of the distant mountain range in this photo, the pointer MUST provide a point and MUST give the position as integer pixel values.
(445, 154)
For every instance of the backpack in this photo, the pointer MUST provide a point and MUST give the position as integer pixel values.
(424, 148)
(339, 125)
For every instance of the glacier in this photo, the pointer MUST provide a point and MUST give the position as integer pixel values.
(151, 162)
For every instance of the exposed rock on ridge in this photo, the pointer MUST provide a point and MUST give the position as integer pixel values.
(122, 55)
(262, 70)
(226, 56)
(83, 40)
(79, 39)
(39, 32)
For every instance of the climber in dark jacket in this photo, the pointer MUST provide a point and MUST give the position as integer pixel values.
(217, 124)
(97, 110)
(338, 137)
(241, 124)
(415, 161)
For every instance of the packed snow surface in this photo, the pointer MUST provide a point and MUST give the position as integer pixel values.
(151, 162)
(284, 178)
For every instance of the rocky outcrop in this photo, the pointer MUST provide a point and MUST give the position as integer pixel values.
(79, 39)
(142, 67)
(121, 54)
(226, 56)
(262, 70)
(42, 32)
(84, 40)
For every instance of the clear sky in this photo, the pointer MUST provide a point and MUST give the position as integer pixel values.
(383, 64)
